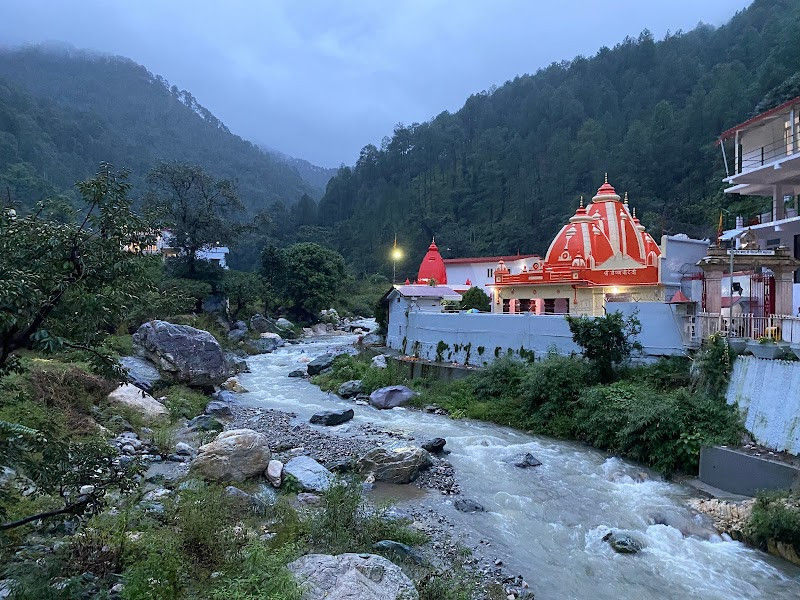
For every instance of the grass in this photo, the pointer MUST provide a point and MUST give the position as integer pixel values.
(775, 517)
(184, 402)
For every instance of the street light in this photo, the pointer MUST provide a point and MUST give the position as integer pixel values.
(396, 254)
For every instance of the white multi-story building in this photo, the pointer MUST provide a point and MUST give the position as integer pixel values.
(765, 156)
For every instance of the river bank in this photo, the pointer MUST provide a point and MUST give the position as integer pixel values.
(547, 524)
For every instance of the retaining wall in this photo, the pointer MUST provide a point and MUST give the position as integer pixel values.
(767, 393)
(479, 338)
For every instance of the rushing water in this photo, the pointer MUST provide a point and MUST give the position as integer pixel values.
(547, 522)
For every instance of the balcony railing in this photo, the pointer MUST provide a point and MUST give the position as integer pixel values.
(779, 327)
(758, 157)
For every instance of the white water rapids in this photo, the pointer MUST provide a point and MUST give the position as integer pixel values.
(546, 523)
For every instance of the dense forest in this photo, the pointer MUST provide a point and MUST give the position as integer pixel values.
(504, 172)
(63, 111)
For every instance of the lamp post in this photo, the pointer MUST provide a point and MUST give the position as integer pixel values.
(397, 254)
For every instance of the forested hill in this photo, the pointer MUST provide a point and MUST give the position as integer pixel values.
(62, 111)
(504, 172)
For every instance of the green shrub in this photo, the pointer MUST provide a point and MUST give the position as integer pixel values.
(500, 379)
(257, 573)
(775, 517)
(607, 341)
(157, 569)
(183, 402)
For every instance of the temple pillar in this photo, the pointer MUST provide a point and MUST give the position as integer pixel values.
(778, 207)
(713, 291)
(783, 292)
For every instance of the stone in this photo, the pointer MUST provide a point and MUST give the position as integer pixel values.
(274, 472)
(395, 464)
(379, 361)
(308, 499)
(236, 364)
(218, 408)
(523, 461)
(140, 372)
(467, 505)
(434, 445)
(332, 417)
(234, 455)
(341, 465)
(205, 423)
(320, 363)
(622, 543)
(260, 324)
(298, 373)
(310, 475)
(391, 396)
(350, 576)
(319, 329)
(183, 449)
(398, 549)
(372, 339)
(266, 494)
(351, 388)
(265, 345)
(85, 490)
(240, 325)
(191, 356)
(283, 323)
(133, 397)
(243, 500)
(237, 335)
(232, 385)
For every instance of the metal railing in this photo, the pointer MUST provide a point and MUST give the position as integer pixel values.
(779, 327)
(763, 155)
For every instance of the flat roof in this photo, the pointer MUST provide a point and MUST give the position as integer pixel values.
(483, 259)
(423, 290)
(759, 117)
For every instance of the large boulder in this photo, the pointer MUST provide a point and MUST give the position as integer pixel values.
(310, 475)
(351, 388)
(266, 343)
(320, 363)
(283, 323)
(189, 355)
(350, 576)
(332, 417)
(133, 397)
(234, 455)
(622, 542)
(379, 361)
(372, 339)
(391, 396)
(140, 372)
(261, 324)
(236, 364)
(395, 464)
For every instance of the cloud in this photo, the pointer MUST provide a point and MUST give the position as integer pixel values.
(320, 80)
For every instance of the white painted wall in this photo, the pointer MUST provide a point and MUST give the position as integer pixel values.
(419, 332)
(478, 272)
(767, 393)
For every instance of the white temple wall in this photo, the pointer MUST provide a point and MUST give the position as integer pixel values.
(767, 393)
(420, 333)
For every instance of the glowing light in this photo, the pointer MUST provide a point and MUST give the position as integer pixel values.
(615, 290)
(397, 253)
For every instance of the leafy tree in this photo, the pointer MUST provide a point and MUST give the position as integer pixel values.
(242, 288)
(314, 274)
(273, 274)
(52, 272)
(607, 341)
(475, 297)
(198, 209)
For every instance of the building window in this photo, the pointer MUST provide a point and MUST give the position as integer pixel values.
(490, 273)
(556, 306)
(773, 243)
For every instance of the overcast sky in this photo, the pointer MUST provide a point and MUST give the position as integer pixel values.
(319, 80)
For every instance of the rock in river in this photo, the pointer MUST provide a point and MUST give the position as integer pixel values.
(391, 396)
(298, 373)
(523, 461)
(351, 388)
(234, 455)
(622, 543)
(186, 354)
(351, 576)
(434, 445)
(332, 417)
(319, 364)
(395, 464)
(311, 475)
(468, 505)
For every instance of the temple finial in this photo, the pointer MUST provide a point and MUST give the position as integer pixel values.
(626, 197)
(634, 212)
(581, 203)
(606, 177)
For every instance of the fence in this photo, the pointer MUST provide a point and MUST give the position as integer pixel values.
(704, 325)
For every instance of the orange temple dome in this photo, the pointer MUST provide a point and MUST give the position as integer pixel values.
(432, 266)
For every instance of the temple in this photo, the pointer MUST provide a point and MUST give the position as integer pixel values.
(602, 254)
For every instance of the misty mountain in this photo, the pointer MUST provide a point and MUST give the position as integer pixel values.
(505, 171)
(62, 111)
(315, 176)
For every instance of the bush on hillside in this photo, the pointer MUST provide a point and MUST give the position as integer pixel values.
(607, 341)
(775, 517)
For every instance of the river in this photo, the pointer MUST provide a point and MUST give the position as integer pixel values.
(547, 523)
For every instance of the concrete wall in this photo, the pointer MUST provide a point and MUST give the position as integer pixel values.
(418, 333)
(767, 393)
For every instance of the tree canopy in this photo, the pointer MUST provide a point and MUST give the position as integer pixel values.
(314, 274)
